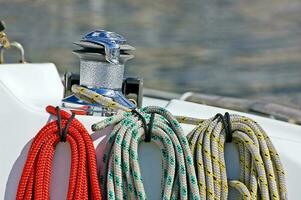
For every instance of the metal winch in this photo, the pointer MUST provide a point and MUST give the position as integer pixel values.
(103, 55)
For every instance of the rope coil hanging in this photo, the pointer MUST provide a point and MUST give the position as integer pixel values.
(36, 175)
(261, 175)
(121, 175)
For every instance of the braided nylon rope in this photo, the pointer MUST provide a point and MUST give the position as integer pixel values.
(122, 177)
(262, 174)
(35, 180)
(93, 97)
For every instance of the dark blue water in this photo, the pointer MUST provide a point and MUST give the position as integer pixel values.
(249, 49)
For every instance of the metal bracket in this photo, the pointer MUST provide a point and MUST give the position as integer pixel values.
(132, 88)
(5, 44)
(19, 47)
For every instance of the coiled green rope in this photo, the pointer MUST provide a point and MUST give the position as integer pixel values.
(122, 176)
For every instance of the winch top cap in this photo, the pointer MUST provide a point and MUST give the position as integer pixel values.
(102, 36)
(111, 42)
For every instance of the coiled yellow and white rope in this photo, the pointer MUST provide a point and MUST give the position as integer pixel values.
(93, 97)
(261, 176)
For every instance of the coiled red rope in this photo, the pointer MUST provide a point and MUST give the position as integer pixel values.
(36, 175)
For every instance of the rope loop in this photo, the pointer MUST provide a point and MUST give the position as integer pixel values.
(225, 119)
(261, 172)
(148, 134)
(147, 127)
(188, 173)
(35, 181)
(121, 176)
(62, 133)
(65, 131)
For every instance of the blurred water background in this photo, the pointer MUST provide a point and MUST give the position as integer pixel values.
(239, 48)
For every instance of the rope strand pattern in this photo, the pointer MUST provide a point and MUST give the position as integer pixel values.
(262, 174)
(122, 175)
(36, 175)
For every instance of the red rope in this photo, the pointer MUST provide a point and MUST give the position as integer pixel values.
(36, 175)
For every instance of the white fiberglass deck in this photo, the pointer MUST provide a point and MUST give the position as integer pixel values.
(25, 89)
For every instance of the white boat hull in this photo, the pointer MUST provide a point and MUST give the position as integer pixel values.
(23, 114)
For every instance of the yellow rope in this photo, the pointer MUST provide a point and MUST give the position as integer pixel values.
(261, 171)
(93, 97)
(262, 174)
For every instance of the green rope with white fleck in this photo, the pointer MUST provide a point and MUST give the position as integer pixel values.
(122, 176)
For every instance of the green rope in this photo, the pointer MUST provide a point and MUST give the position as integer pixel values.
(122, 176)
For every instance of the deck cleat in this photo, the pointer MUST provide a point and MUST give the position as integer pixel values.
(103, 55)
